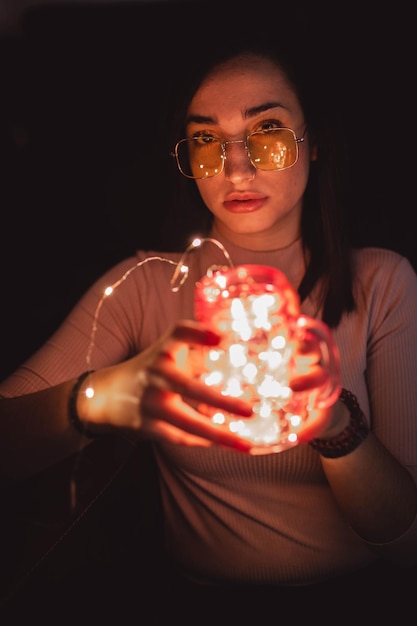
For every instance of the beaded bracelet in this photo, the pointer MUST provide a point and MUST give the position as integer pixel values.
(74, 418)
(351, 437)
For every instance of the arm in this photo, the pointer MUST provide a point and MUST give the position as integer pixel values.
(375, 492)
(147, 396)
(375, 484)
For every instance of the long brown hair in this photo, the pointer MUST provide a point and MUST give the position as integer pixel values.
(325, 233)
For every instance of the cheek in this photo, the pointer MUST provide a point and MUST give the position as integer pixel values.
(207, 189)
(298, 176)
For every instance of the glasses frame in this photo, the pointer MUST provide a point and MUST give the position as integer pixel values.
(223, 145)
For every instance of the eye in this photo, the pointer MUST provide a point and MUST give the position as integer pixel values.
(204, 139)
(269, 125)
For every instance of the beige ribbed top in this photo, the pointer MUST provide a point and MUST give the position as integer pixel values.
(269, 518)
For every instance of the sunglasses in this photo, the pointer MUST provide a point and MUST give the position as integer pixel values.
(268, 150)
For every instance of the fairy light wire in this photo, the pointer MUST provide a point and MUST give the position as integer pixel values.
(109, 290)
(180, 274)
(178, 278)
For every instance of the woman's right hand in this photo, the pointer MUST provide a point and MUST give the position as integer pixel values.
(156, 394)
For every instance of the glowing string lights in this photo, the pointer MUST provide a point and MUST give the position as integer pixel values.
(257, 312)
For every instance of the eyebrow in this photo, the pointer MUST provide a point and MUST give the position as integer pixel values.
(264, 107)
(248, 113)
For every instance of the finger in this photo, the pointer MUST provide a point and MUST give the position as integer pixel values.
(195, 333)
(164, 431)
(316, 378)
(165, 377)
(315, 424)
(309, 346)
(160, 406)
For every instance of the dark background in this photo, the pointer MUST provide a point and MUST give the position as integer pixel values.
(83, 89)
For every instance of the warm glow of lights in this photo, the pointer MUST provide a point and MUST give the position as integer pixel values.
(295, 420)
(218, 418)
(257, 312)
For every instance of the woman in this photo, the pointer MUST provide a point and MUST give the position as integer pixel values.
(345, 497)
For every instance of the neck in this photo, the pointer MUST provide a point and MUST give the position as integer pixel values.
(259, 241)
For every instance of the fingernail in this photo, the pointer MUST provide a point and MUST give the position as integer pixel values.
(211, 338)
(242, 445)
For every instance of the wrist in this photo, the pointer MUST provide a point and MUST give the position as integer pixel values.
(339, 422)
(347, 440)
(79, 388)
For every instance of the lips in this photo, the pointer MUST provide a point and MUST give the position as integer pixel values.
(244, 202)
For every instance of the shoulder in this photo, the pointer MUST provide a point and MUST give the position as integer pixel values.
(384, 277)
(380, 263)
(141, 265)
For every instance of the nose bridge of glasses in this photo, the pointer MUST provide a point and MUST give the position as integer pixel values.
(228, 146)
(240, 159)
(232, 141)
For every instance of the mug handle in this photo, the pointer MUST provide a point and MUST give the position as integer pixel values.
(330, 391)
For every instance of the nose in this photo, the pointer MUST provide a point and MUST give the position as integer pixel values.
(237, 165)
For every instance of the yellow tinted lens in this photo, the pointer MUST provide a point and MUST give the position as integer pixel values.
(203, 158)
(273, 149)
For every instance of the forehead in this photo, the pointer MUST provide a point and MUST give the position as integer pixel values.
(244, 81)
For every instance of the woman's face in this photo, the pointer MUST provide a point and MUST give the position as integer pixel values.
(256, 209)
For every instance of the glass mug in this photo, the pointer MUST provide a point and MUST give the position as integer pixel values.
(257, 313)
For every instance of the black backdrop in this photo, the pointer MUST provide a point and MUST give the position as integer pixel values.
(82, 87)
